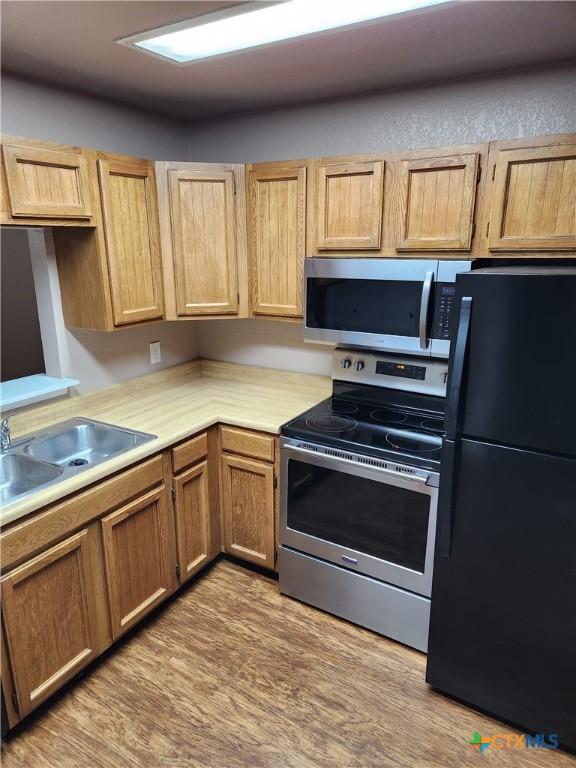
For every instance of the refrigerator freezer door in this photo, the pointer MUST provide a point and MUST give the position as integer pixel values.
(520, 379)
(503, 620)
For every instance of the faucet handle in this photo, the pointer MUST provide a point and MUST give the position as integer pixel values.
(6, 416)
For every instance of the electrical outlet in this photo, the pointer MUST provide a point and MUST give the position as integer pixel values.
(155, 352)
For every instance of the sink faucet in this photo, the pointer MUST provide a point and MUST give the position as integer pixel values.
(5, 437)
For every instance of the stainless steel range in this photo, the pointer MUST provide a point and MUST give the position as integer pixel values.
(359, 491)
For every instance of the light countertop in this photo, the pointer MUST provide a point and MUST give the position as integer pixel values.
(173, 404)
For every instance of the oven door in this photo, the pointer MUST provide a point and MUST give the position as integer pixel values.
(377, 521)
(378, 303)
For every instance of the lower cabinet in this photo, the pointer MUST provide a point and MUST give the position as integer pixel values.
(83, 571)
(50, 616)
(140, 568)
(247, 504)
(192, 507)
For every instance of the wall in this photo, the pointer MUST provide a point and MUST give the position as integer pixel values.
(40, 111)
(21, 343)
(264, 343)
(98, 358)
(500, 106)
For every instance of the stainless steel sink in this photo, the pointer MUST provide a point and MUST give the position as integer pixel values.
(81, 442)
(60, 452)
(20, 475)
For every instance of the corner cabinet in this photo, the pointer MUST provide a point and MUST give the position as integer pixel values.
(203, 225)
(196, 503)
(533, 195)
(130, 220)
(277, 199)
(46, 184)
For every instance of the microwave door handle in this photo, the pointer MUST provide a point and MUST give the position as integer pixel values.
(424, 308)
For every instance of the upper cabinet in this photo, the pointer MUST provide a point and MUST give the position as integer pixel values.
(277, 237)
(348, 204)
(130, 218)
(533, 195)
(437, 196)
(46, 183)
(112, 276)
(202, 215)
(140, 242)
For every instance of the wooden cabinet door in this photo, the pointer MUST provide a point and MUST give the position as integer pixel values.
(139, 566)
(46, 183)
(247, 489)
(203, 221)
(350, 198)
(129, 207)
(277, 237)
(49, 616)
(437, 205)
(534, 199)
(193, 519)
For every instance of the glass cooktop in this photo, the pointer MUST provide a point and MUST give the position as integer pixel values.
(410, 435)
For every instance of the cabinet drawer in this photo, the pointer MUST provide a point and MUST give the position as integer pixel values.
(247, 443)
(190, 452)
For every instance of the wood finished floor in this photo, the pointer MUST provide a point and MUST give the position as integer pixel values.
(233, 675)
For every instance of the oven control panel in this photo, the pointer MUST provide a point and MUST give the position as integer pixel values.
(411, 374)
(403, 370)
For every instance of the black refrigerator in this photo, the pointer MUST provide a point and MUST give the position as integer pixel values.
(503, 617)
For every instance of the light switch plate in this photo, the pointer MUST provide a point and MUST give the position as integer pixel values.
(155, 352)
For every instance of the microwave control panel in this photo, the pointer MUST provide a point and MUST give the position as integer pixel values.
(443, 307)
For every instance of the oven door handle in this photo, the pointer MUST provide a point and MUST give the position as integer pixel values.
(323, 460)
(424, 309)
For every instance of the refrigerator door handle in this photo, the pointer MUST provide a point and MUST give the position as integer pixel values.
(424, 308)
(457, 370)
(451, 447)
(446, 497)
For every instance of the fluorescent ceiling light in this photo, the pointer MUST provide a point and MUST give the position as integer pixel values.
(251, 25)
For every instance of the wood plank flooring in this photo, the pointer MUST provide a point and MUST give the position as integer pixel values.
(233, 675)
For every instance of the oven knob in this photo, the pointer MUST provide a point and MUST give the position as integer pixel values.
(359, 365)
(345, 362)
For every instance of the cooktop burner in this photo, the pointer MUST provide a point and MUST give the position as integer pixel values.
(389, 416)
(433, 425)
(341, 406)
(329, 423)
(412, 444)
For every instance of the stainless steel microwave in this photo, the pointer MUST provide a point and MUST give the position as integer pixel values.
(397, 305)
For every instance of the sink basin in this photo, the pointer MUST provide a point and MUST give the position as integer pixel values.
(60, 452)
(20, 475)
(82, 442)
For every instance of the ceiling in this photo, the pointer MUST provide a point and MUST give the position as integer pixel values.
(72, 44)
